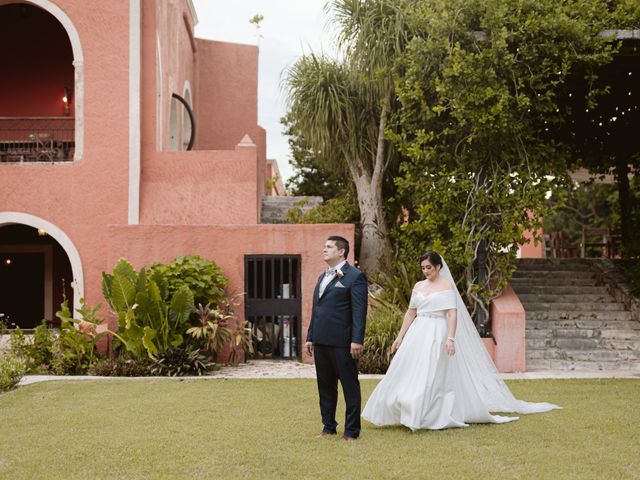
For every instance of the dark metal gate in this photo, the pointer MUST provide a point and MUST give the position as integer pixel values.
(273, 304)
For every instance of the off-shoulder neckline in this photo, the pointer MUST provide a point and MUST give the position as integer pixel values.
(431, 293)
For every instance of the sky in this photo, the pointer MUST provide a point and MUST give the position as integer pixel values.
(289, 28)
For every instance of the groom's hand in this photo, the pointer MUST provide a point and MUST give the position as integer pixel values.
(309, 348)
(356, 350)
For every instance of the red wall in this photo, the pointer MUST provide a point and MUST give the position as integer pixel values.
(37, 53)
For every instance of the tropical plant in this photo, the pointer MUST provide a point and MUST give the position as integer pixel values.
(212, 331)
(74, 348)
(383, 324)
(241, 342)
(149, 320)
(12, 369)
(120, 366)
(180, 361)
(202, 276)
(342, 108)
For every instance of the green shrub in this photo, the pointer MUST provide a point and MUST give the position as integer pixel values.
(41, 349)
(19, 345)
(36, 351)
(12, 369)
(74, 348)
(203, 277)
(179, 362)
(150, 318)
(383, 324)
(120, 367)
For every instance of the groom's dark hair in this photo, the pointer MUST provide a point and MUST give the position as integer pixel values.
(342, 244)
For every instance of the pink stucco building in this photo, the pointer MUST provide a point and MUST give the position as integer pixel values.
(123, 135)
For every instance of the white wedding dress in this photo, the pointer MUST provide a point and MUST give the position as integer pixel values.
(425, 388)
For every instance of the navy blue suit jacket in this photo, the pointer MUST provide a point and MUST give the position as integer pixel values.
(338, 318)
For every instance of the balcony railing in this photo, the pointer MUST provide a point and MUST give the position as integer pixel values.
(37, 139)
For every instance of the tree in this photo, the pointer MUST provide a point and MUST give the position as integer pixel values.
(480, 90)
(341, 108)
(312, 176)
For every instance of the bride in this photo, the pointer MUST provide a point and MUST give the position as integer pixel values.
(441, 375)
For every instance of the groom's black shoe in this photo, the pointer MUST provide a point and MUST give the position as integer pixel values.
(347, 438)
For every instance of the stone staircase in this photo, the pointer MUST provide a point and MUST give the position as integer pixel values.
(572, 322)
(275, 208)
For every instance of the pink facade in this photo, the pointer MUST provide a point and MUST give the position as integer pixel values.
(123, 184)
(508, 328)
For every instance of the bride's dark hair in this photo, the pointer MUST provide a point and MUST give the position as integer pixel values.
(434, 258)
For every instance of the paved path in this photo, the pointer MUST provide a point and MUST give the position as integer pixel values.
(292, 369)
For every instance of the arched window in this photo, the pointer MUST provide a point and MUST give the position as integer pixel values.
(41, 89)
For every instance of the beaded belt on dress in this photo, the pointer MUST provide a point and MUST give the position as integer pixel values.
(431, 315)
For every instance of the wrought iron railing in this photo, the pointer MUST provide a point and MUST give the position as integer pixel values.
(37, 139)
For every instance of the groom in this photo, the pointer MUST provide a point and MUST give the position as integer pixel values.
(336, 336)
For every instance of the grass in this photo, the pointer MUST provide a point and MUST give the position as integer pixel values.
(264, 428)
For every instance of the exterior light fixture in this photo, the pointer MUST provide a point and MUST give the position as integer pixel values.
(41, 233)
(7, 261)
(66, 99)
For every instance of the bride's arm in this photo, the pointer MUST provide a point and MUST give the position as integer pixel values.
(451, 331)
(409, 317)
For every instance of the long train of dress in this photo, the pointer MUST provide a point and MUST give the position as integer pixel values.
(424, 387)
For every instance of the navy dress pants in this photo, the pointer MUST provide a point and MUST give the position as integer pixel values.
(333, 364)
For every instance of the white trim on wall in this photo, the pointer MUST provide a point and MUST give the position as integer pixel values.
(159, 94)
(134, 111)
(185, 120)
(78, 64)
(10, 218)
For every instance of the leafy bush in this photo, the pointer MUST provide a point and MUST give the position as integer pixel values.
(212, 331)
(12, 369)
(74, 348)
(343, 209)
(383, 325)
(150, 318)
(36, 351)
(120, 367)
(203, 277)
(179, 362)
(41, 350)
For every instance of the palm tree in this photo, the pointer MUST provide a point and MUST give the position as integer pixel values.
(342, 107)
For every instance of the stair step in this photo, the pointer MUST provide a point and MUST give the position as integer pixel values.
(546, 364)
(550, 261)
(553, 274)
(584, 343)
(595, 308)
(608, 328)
(529, 298)
(560, 315)
(537, 267)
(583, 355)
(620, 334)
(559, 281)
(524, 289)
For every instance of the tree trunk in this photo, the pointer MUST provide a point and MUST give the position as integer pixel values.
(374, 244)
(622, 179)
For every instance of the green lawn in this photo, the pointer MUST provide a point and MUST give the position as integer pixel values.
(161, 428)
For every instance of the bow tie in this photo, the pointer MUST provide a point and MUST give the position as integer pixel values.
(330, 272)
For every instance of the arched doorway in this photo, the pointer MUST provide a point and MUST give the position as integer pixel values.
(41, 89)
(38, 264)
